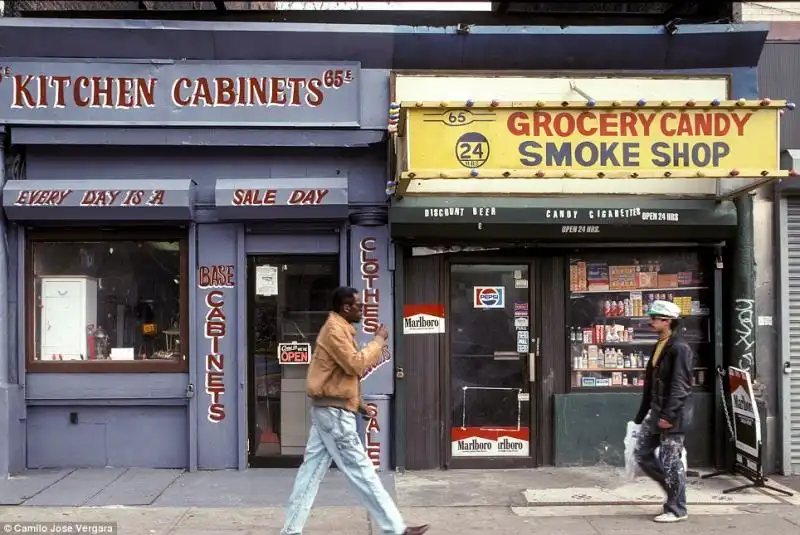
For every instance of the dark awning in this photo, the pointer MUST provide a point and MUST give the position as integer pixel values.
(413, 45)
(561, 219)
(282, 198)
(99, 200)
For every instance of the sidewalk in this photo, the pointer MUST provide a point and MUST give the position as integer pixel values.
(594, 500)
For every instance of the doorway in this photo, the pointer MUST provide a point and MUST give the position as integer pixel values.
(288, 299)
(491, 362)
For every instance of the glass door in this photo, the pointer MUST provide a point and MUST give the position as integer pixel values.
(490, 353)
(288, 299)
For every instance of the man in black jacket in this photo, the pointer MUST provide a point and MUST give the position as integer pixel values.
(666, 410)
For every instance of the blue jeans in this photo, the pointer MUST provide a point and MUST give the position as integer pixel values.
(667, 469)
(334, 437)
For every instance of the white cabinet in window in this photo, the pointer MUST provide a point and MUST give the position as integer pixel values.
(68, 307)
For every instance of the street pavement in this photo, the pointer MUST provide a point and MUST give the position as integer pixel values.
(595, 500)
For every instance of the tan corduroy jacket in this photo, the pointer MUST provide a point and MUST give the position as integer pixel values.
(334, 375)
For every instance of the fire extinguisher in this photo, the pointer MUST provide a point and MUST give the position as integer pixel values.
(91, 345)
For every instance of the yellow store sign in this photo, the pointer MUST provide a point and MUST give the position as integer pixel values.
(719, 139)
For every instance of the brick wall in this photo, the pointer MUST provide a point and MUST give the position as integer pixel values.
(770, 11)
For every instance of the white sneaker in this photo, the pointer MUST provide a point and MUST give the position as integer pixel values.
(668, 518)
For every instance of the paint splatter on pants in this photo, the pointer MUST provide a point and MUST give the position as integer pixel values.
(666, 469)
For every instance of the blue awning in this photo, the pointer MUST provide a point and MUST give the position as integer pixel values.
(99, 200)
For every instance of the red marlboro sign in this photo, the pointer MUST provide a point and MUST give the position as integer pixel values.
(490, 442)
(423, 319)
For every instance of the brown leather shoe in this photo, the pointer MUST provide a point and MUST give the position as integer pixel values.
(417, 530)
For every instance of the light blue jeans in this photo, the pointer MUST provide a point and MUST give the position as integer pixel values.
(334, 437)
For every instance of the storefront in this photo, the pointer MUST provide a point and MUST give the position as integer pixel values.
(787, 229)
(533, 235)
(166, 297)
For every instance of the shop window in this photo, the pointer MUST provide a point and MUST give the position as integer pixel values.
(110, 305)
(609, 332)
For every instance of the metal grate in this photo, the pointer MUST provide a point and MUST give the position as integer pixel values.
(793, 276)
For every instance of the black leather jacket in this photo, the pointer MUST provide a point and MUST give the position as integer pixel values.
(668, 387)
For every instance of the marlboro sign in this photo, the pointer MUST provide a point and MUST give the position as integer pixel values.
(490, 442)
(294, 353)
(423, 319)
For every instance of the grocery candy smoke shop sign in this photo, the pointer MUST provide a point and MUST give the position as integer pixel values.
(715, 138)
(163, 92)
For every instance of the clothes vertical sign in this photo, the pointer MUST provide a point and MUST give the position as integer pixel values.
(370, 275)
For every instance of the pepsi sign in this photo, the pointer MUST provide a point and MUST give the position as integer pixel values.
(489, 297)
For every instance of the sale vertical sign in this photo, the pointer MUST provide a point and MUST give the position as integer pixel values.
(370, 276)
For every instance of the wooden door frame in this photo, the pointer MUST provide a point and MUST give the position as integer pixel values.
(534, 418)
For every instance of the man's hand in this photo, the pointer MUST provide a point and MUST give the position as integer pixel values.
(371, 411)
(663, 424)
(382, 332)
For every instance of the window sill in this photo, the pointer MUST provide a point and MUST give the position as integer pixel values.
(107, 367)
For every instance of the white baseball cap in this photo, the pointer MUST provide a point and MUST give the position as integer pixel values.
(664, 309)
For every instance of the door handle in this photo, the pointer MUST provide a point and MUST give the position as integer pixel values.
(532, 367)
(532, 359)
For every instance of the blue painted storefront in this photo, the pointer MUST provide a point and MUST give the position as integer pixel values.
(160, 419)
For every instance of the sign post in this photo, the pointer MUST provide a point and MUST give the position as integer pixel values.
(744, 426)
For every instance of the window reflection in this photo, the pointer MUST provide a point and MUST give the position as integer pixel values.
(487, 370)
(290, 302)
(107, 300)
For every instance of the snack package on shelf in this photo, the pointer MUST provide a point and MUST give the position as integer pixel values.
(667, 281)
(597, 277)
(647, 279)
(622, 277)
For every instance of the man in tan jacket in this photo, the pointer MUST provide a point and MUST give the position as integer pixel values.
(334, 386)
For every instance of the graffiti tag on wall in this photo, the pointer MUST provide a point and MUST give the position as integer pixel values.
(745, 335)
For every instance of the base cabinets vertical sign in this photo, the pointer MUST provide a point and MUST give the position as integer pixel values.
(215, 280)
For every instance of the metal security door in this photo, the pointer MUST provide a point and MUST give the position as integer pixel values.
(789, 235)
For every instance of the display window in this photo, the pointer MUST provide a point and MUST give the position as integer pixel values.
(112, 301)
(609, 332)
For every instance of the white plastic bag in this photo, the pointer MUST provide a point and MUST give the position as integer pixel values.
(632, 470)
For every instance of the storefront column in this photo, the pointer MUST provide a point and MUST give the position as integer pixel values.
(743, 321)
(5, 406)
(370, 273)
(743, 345)
(216, 348)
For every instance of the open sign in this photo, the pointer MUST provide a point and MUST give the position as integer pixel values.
(294, 353)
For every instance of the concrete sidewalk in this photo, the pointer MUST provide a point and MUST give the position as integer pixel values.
(776, 520)
(570, 500)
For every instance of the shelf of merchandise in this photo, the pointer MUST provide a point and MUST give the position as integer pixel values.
(580, 294)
